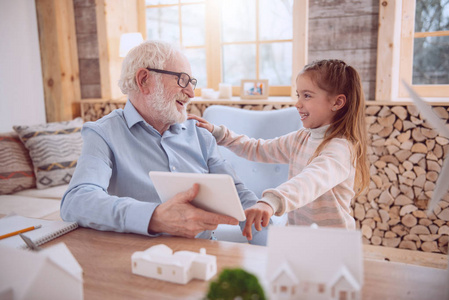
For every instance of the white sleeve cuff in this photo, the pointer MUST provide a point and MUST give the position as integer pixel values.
(275, 202)
(219, 132)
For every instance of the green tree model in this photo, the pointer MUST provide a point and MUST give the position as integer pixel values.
(235, 284)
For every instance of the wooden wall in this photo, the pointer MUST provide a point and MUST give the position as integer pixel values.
(99, 25)
(59, 59)
(346, 30)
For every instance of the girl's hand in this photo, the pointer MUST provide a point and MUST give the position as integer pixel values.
(201, 122)
(258, 214)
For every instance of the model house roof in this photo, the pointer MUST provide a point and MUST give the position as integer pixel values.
(345, 274)
(285, 269)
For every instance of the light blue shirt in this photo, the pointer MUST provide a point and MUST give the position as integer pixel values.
(111, 190)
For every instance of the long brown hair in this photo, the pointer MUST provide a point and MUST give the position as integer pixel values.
(336, 77)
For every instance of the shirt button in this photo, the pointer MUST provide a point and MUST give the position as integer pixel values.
(173, 168)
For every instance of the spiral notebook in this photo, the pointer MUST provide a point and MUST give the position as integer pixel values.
(49, 230)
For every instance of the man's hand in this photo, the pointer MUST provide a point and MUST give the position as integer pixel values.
(258, 214)
(179, 217)
(201, 122)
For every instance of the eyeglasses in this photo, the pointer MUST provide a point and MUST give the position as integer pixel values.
(183, 78)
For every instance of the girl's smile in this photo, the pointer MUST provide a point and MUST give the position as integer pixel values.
(303, 115)
(315, 106)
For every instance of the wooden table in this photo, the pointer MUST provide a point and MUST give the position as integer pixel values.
(106, 260)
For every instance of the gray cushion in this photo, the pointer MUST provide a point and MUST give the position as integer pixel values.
(16, 169)
(54, 150)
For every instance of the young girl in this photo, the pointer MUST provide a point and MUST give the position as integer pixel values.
(327, 158)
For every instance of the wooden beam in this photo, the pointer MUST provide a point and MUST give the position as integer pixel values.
(213, 51)
(300, 39)
(406, 51)
(388, 46)
(141, 18)
(59, 57)
(431, 34)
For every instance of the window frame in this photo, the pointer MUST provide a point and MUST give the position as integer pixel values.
(213, 43)
(408, 35)
(395, 54)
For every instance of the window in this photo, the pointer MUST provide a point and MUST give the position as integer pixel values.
(431, 43)
(424, 48)
(256, 41)
(231, 40)
(180, 22)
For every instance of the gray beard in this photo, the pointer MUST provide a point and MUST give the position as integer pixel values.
(166, 111)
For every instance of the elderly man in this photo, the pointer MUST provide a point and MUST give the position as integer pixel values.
(111, 189)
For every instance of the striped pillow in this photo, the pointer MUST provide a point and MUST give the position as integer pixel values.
(54, 150)
(16, 169)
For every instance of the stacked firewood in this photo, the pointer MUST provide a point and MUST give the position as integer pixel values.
(405, 155)
(91, 111)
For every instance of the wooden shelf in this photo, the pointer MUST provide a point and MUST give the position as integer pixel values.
(425, 259)
(238, 100)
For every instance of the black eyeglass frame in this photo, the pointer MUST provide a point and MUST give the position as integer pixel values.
(191, 80)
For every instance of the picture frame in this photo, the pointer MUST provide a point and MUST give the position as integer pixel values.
(254, 89)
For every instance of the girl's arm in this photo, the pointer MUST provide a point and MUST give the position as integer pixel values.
(268, 151)
(332, 167)
(329, 169)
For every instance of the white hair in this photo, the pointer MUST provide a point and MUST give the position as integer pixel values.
(149, 54)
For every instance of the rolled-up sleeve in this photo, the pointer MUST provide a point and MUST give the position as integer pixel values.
(87, 201)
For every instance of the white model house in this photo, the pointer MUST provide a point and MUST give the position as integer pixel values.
(314, 263)
(52, 273)
(160, 262)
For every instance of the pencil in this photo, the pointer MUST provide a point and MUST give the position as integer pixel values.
(19, 231)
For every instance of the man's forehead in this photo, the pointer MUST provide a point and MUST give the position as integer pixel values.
(179, 63)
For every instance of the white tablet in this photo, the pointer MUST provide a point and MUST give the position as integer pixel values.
(217, 191)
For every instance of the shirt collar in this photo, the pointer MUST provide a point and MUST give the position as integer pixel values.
(318, 133)
(133, 117)
(176, 128)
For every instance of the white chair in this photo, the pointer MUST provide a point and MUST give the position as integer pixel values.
(256, 176)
